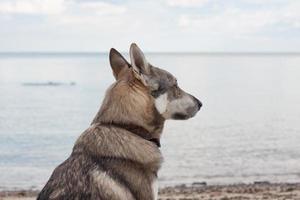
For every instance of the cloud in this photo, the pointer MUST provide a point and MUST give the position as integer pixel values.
(103, 8)
(238, 21)
(164, 25)
(230, 21)
(51, 7)
(32, 7)
(62, 11)
(266, 2)
(91, 12)
(186, 3)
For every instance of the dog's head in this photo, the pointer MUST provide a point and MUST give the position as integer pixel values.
(170, 101)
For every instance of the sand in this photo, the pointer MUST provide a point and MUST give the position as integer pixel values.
(255, 191)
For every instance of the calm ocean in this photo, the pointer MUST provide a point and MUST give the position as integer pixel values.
(248, 129)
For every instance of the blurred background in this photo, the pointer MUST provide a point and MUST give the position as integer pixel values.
(239, 57)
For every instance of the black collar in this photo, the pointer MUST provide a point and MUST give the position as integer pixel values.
(137, 130)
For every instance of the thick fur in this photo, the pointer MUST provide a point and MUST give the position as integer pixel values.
(112, 162)
(106, 163)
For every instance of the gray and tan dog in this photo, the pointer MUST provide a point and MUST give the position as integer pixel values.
(118, 156)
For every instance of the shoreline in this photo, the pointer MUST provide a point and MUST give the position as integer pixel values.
(199, 190)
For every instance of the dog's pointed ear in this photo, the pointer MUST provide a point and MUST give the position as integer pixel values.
(141, 67)
(117, 62)
(138, 60)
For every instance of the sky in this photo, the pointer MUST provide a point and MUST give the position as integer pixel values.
(156, 25)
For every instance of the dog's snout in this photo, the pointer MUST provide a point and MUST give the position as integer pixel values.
(199, 104)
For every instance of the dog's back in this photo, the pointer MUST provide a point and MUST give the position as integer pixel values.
(106, 165)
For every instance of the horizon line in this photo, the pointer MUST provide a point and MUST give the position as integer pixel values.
(152, 52)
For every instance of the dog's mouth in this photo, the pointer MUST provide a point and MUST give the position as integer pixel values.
(179, 116)
(191, 112)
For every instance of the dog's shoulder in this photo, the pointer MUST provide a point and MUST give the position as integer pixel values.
(113, 142)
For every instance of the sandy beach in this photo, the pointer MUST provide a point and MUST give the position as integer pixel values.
(255, 191)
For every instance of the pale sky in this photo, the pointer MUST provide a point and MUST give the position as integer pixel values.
(156, 25)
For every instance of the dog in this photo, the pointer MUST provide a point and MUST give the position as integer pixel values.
(118, 156)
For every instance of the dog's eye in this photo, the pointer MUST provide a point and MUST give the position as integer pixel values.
(157, 92)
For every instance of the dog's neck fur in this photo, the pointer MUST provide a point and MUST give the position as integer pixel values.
(129, 102)
(137, 130)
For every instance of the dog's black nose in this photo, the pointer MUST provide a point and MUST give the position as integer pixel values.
(198, 103)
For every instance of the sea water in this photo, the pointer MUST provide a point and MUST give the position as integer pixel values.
(247, 130)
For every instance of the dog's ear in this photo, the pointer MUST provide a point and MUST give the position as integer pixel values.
(117, 62)
(138, 60)
(141, 67)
